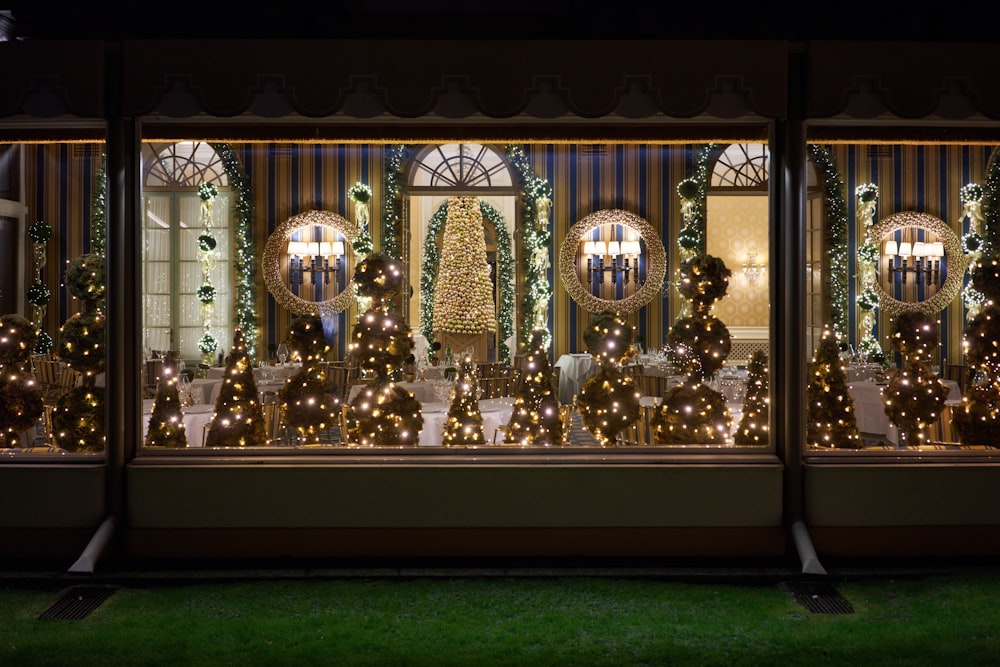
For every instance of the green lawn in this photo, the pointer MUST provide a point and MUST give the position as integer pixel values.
(943, 619)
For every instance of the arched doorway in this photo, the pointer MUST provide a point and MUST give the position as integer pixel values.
(436, 173)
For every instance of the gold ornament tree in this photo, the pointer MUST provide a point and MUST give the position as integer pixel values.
(977, 420)
(20, 398)
(465, 422)
(609, 400)
(239, 417)
(166, 422)
(832, 420)
(914, 397)
(307, 403)
(78, 418)
(754, 423)
(693, 412)
(385, 414)
(535, 419)
(463, 296)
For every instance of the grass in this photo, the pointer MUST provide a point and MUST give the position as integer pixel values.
(942, 619)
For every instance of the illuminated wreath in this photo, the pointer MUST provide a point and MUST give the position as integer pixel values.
(274, 250)
(957, 262)
(656, 258)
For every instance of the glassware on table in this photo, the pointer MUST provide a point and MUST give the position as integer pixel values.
(846, 353)
(282, 354)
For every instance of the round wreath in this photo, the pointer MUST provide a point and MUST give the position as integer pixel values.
(274, 251)
(40, 231)
(687, 188)
(703, 280)
(656, 258)
(360, 193)
(868, 252)
(208, 344)
(866, 192)
(17, 339)
(85, 277)
(206, 243)
(206, 293)
(972, 242)
(208, 191)
(39, 294)
(81, 342)
(868, 300)
(956, 258)
(971, 192)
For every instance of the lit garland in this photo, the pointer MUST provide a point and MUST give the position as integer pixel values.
(991, 207)
(536, 239)
(867, 256)
(753, 427)
(395, 158)
(20, 397)
(381, 342)
(39, 293)
(465, 421)
(836, 237)
(971, 195)
(505, 273)
(609, 400)
(831, 418)
(535, 419)
(166, 421)
(245, 258)
(99, 211)
(207, 192)
(238, 420)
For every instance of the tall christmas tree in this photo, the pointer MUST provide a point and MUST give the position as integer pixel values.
(465, 421)
(463, 296)
(832, 420)
(914, 396)
(386, 415)
(239, 417)
(977, 420)
(307, 402)
(535, 418)
(694, 412)
(753, 427)
(20, 397)
(609, 400)
(166, 423)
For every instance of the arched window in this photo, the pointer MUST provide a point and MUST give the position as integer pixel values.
(174, 266)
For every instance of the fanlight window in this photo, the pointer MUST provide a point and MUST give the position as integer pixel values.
(742, 166)
(461, 166)
(185, 164)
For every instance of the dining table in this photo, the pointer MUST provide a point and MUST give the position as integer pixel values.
(574, 369)
(494, 411)
(870, 411)
(195, 417)
(426, 391)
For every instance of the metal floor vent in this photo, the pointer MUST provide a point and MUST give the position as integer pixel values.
(78, 602)
(819, 598)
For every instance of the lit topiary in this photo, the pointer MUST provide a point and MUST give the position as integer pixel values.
(830, 415)
(753, 427)
(977, 420)
(463, 295)
(239, 417)
(535, 419)
(609, 400)
(78, 420)
(692, 413)
(166, 422)
(20, 397)
(465, 421)
(914, 397)
(85, 277)
(307, 403)
(81, 343)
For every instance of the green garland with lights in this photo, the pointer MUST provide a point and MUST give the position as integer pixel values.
(991, 207)
(836, 237)
(694, 189)
(99, 211)
(396, 158)
(245, 260)
(505, 273)
(533, 237)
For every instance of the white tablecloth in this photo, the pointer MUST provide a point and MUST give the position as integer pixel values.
(195, 418)
(216, 389)
(422, 391)
(870, 411)
(574, 369)
(271, 373)
(495, 411)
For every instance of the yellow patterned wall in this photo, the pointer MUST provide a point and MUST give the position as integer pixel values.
(736, 226)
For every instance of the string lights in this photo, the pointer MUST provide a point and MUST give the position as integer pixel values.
(831, 420)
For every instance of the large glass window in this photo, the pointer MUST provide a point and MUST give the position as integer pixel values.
(900, 359)
(574, 296)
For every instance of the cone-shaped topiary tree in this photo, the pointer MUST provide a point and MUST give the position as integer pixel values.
(465, 421)
(463, 295)
(753, 427)
(166, 423)
(832, 420)
(239, 417)
(609, 400)
(977, 420)
(914, 397)
(535, 418)
(307, 402)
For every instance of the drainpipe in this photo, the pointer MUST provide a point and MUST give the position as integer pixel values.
(788, 185)
(88, 559)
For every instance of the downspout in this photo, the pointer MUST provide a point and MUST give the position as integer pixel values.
(788, 292)
(122, 299)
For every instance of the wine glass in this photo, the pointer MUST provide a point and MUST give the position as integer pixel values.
(846, 353)
(282, 354)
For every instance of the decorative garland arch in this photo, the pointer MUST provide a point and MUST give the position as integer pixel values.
(991, 206)
(505, 273)
(836, 238)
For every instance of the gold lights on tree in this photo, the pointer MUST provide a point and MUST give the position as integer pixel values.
(977, 420)
(609, 400)
(20, 397)
(753, 427)
(831, 419)
(307, 403)
(166, 422)
(465, 422)
(535, 419)
(238, 420)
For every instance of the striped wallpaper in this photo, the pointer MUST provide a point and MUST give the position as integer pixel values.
(287, 179)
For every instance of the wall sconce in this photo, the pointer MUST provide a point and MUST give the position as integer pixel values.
(926, 264)
(752, 270)
(627, 252)
(313, 257)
